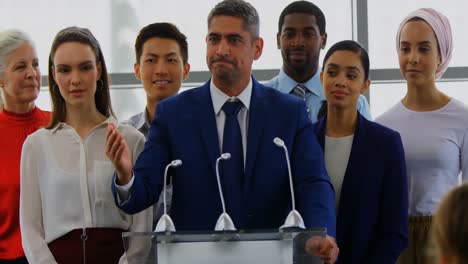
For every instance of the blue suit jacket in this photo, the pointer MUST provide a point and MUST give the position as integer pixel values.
(185, 128)
(373, 210)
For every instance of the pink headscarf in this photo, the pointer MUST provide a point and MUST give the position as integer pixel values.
(443, 32)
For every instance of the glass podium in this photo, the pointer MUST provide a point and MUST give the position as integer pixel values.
(222, 247)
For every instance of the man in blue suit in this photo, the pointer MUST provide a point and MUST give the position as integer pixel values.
(193, 127)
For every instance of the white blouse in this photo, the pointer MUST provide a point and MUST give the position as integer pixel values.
(337, 152)
(66, 184)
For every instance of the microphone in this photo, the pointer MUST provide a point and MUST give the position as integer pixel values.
(294, 218)
(224, 222)
(165, 223)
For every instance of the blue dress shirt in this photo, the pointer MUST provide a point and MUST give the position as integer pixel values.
(314, 94)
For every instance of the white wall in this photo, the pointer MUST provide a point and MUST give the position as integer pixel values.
(117, 22)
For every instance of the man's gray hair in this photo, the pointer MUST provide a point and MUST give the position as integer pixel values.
(241, 9)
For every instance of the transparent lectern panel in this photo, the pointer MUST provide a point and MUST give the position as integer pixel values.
(259, 247)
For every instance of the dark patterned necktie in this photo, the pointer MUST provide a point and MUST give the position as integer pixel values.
(232, 174)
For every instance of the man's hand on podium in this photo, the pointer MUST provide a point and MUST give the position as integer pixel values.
(118, 152)
(325, 248)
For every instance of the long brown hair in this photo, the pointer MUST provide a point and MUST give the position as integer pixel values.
(102, 95)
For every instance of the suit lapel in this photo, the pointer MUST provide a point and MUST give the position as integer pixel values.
(356, 157)
(350, 190)
(207, 124)
(320, 131)
(255, 129)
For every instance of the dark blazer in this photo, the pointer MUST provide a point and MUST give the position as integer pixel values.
(185, 128)
(373, 210)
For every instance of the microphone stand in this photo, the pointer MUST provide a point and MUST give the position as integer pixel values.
(165, 223)
(224, 222)
(294, 218)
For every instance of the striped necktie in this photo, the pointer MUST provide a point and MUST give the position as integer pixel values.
(300, 91)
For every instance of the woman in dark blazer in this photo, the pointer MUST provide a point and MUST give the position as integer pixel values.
(365, 162)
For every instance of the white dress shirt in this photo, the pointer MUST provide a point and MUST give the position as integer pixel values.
(65, 185)
(219, 99)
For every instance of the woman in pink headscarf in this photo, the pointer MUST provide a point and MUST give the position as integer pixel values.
(432, 125)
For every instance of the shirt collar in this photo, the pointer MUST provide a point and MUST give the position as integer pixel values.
(62, 125)
(287, 84)
(219, 98)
